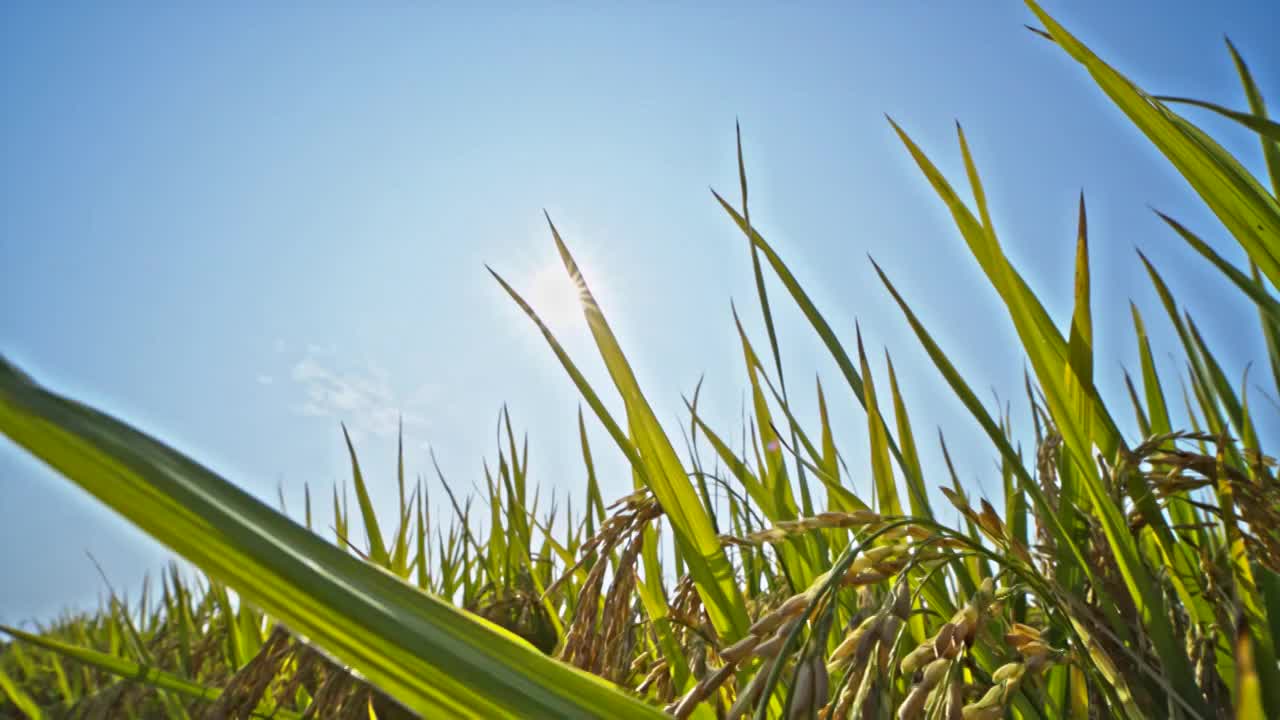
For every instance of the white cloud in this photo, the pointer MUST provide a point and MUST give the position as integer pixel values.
(363, 397)
(313, 410)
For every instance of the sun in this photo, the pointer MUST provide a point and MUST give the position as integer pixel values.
(556, 297)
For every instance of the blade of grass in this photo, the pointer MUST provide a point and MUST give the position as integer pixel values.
(913, 475)
(19, 697)
(773, 474)
(1072, 553)
(663, 473)
(1251, 287)
(1081, 428)
(1266, 128)
(377, 549)
(1248, 211)
(809, 310)
(595, 501)
(430, 656)
(1248, 687)
(881, 471)
(806, 502)
(133, 671)
(1270, 150)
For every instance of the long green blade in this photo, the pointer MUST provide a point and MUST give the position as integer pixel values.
(19, 697)
(130, 670)
(1240, 202)
(377, 548)
(430, 656)
(659, 465)
(1270, 148)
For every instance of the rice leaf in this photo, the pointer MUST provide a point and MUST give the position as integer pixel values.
(913, 475)
(430, 656)
(1251, 287)
(665, 476)
(134, 672)
(1248, 698)
(881, 471)
(1270, 150)
(1266, 128)
(377, 548)
(1240, 202)
(19, 697)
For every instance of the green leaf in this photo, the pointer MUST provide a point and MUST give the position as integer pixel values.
(1269, 130)
(806, 502)
(1069, 551)
(1079, 376)
(1270, 150)
(1252, 287)
(660, 468)
(1270, 331)
(913, 475)
(654, 600)
(1240, 202)
(20, 699)
(1084, 423)
(881, 472)
(830, 459)
(399, 560)
(810, 311)
(433, 658)
(595, 501)
(1248, 689)
(699, 475)
(1041, 340)
(377, 549)
(1157, 408)
(129, 670)
(773, 474)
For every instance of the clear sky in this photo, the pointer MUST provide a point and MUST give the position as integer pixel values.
(236, 225)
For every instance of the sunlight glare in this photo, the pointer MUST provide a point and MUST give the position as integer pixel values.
(556, 297)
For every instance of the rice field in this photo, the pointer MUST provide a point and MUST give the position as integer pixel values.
(743, 577)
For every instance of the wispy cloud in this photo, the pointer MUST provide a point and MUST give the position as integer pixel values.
(363, 397)
(265, 379)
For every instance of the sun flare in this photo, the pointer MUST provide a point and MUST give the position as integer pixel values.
(557, 297)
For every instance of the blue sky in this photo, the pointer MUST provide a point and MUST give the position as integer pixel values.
(237, 226)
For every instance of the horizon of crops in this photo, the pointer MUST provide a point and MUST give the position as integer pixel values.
(743, 577)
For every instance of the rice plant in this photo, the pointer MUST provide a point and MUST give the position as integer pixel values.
(1122, 577)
